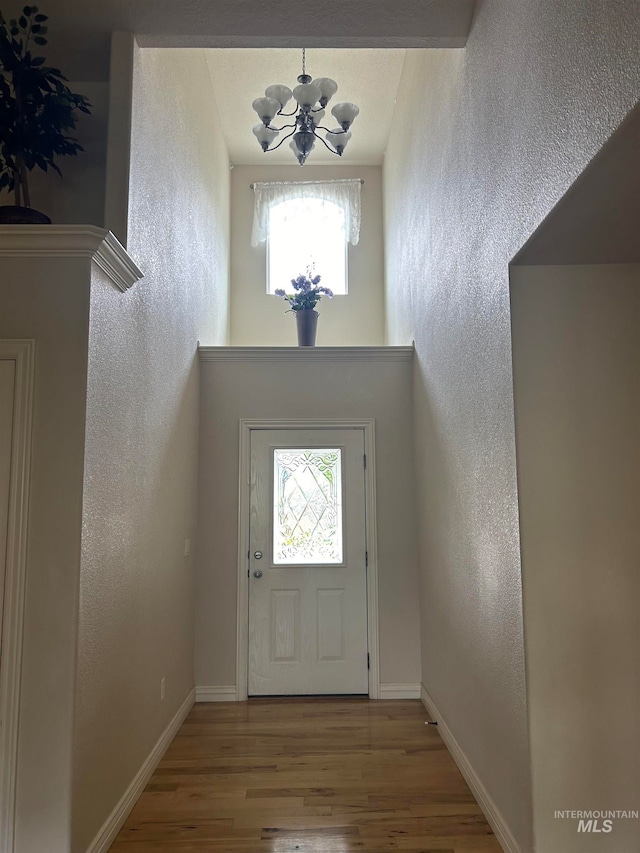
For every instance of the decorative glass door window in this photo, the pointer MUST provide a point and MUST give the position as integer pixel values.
(307, 506)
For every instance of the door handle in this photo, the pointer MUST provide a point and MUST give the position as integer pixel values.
(257, 573)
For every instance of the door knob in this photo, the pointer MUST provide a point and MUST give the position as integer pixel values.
(257, 555)
(257, 573)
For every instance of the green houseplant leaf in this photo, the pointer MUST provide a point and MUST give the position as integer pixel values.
(38, 111)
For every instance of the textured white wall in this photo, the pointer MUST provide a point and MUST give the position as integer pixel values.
(576, 376)
(258, 319)
(231, 390)
(502, 130)
(136, 593)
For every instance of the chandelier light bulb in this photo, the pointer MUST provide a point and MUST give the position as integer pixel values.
(307, 94)
(266, 109)
(317, 117)
(345, 114)
(265, 135)
(282, 94)
(338, 139)
(328, 88)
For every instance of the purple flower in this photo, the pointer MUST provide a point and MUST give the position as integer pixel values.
(307, 293)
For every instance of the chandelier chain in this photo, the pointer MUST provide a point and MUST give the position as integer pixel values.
(304, 60)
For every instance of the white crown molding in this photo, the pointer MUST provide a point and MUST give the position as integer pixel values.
(485, 800)
(72, 241)
(305, 353)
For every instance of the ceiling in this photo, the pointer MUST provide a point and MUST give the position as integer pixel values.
(80, 30)
(368, 78)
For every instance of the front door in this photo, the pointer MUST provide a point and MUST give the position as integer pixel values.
(307, 563)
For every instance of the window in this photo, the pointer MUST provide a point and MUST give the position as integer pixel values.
(307, 232)
(307, 223)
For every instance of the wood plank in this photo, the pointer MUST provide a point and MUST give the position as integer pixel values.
(306, 775)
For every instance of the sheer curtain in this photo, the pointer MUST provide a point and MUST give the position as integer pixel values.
(344, 193)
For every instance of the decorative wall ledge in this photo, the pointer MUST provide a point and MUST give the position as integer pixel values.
(72, 241)
(305, 353)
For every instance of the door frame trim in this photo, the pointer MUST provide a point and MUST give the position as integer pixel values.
(367, 425)
(22, 352)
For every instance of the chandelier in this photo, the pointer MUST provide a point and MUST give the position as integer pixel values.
(312, 97)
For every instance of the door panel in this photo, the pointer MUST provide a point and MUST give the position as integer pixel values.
(285, 625)
(307, 569)
(330, 621)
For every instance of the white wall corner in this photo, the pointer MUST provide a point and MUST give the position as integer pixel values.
(399, 690)
(116, 205)
(216, 693)
(110, 828)
(484, 799)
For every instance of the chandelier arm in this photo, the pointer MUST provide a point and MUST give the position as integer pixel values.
(284, 127)
(284, 138)
(286, 115)
(326, 145)
(332, 132)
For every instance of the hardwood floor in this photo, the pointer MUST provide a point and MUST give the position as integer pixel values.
(313, 775)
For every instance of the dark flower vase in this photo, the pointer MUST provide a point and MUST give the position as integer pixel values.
(307, 323)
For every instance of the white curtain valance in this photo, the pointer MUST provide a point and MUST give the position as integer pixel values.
(344, 193)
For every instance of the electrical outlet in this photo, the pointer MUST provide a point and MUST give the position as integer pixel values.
(187, 547)
(162, 686)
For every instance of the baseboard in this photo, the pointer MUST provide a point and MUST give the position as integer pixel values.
(485, 801)
(216, 693)
(110, 828)
(399, 690)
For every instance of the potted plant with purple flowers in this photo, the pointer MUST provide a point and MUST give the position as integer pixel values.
(307, 294)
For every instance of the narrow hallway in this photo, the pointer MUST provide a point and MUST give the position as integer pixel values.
(313, 775)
